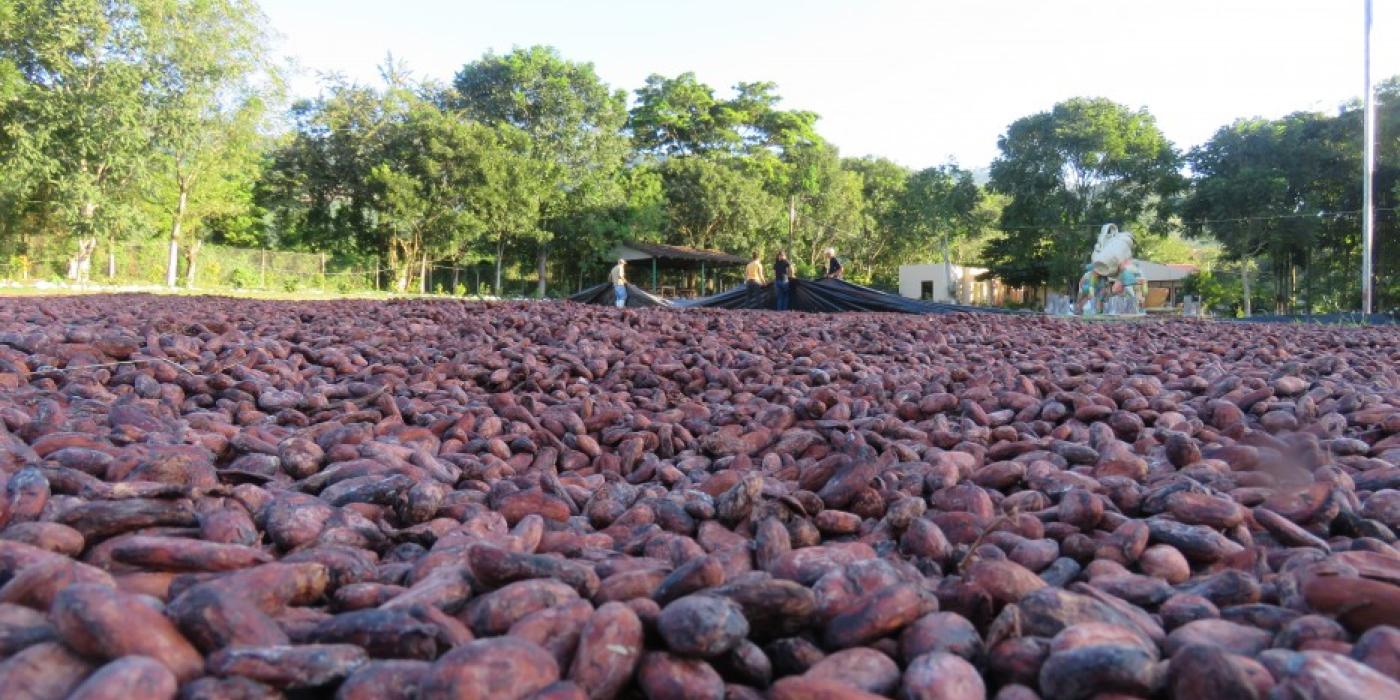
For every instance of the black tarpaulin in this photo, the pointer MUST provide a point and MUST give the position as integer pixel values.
(828, 295)
(603, 294)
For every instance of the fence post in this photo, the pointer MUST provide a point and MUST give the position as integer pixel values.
(323, 271)
(262, 268)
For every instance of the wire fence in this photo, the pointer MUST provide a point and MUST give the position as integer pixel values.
(144, 263)
(49, 263)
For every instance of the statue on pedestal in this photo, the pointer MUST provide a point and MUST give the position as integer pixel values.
(1112, 283)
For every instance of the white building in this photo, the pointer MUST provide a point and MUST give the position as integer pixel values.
(931, 282)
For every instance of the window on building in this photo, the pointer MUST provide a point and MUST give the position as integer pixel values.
(926, 290)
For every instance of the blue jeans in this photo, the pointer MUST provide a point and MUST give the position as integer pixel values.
(783, 288)
(620, 291)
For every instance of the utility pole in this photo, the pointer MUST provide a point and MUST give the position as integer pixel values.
(1368, 140)
(792, 220)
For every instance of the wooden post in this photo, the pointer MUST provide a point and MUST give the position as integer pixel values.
(323, 270)
(423, 275)
(704, 281)
(653, 276)
(262, 268)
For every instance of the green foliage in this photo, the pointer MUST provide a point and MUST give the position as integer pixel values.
(242, 278)
(714, 204)
(1083, 163)
(1173, 248)
(77, 124)
(1262, 186)
(572, 123)
(137, 122)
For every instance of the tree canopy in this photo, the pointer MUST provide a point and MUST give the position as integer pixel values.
(1084, 162)
(125, 121)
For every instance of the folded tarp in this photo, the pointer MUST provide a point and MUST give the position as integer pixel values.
(603, 294)
(828, 295)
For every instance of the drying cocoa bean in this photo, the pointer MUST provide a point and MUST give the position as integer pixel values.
(755, 502)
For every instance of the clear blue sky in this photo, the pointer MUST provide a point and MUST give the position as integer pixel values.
(918, 82)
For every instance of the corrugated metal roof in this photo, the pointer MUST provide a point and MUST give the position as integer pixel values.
(674, 252)
(1159, 272)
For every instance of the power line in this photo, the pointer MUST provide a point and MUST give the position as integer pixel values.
(1200, 222)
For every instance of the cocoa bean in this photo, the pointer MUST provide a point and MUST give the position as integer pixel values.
(44, 671)
(103, 623)
(702, 625)
(940, 676)
(489, 669)
(941, 632)
(861, 667)
(305, 666)
(128, 677)
(803, 688)
(609, 649)
(386, 680)
(876, 615)
(663, 676)
(495, 612)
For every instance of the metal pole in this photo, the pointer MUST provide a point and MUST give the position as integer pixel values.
(653, 275)
(1368, 212)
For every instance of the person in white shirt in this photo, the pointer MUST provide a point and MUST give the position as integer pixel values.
(618, 278)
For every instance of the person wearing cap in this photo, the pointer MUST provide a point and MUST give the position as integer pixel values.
(833, 266)
(753, 278)
(618, 278)
(782, 275)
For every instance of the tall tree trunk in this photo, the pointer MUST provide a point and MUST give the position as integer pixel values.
(948, 271)
(542, 269)
(191, 253)
(112, 257)
(500, 253)
(1307, 284)
(792, 220)
(1244, 276)
(455, 276)
(172, 263)
(423, 275)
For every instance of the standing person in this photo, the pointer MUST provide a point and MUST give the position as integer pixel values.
(618, 278)
(833, 266)
(782, 272)
(753, 278)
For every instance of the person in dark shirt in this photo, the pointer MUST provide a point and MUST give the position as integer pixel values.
(833, 266)
(782, 273)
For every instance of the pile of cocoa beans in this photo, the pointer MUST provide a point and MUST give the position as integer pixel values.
(219, 498)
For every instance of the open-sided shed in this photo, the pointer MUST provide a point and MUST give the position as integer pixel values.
(1164, 282)
(659, 258)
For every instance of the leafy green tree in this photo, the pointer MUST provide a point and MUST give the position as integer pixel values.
(1085, 162)
(680, 116)
(77, 121)
(573, 122)
(712, 204)
(205, 57)
(509, 193)
(1260, 185)
(880, 226)
(939, 206)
